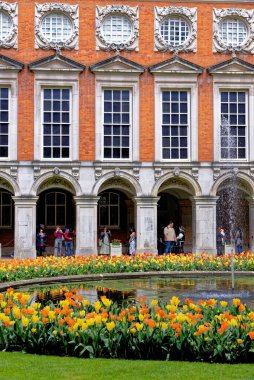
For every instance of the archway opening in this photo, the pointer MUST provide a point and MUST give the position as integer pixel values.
(55, 207)
(116, 213)
(7, 222)
(232, 210)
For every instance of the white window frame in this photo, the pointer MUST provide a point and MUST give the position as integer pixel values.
(120, 82)
(42, 117)
(55, 80)
(244, 86)
(70, 11)
(11, 82)
(164, 13)
(132, 13)
(246, 16)
(11, 10)
(177, 83)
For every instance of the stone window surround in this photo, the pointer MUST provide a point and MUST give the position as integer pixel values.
(185, 83)
(123, 81)
(11, 81)
(132, 13)
(225, 84)
(71, 11)
(246, 15)
(189, 14)
(56, 80)
(11, 9)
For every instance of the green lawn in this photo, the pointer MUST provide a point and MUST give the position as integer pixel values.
(17, 366)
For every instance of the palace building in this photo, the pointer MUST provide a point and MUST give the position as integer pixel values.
(125, 114)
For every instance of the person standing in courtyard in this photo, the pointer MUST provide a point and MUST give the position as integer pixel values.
(220, 241)
(181, 239)
(239, 240)
(169, 237)
(41, 242)
(59, 236)
(69, 236)
(132, 242)
(105, 242)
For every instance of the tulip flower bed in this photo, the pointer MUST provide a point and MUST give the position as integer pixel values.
(207, 330)
(52, 266)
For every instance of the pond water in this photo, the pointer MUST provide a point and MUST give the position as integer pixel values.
(163, 288)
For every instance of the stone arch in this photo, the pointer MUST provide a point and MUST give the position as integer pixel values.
(10, 184)
(183, 181)
(56, 179)
(245, 183)
(118, 180)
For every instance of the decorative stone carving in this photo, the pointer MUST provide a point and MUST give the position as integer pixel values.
(11, 39)
(37, 171)
(55, 182)
(190, 16)
(14, 171)
(131, 13)
(75, 172)
(117, 183)
(247, 16)
(157, 173)
(71, 11)
(194, 173)
(56, 171)
(176, 172)
(136, 173)
(97, 173)
(252, 172)
(216, 173)
(117, 172)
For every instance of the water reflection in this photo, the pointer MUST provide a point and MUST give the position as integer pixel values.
(162, 288)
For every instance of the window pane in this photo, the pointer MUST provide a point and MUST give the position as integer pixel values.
(174, 30)
(56, 123)
(175, 124)
(56, 27)
(233, 124)
(117, 29)
(116, 124)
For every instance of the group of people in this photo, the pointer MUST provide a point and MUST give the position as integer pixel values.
(222, 237)
(105, 239)
(169, 241)
(67, 237)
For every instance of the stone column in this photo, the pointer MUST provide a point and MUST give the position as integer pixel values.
(251, 223)
(25, 227)
(86, 225)
(146, 224)
(204, 224)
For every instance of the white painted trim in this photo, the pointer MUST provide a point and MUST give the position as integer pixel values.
(244, 83)
(53, 80)
(167, 82)
(121, 82)
(10, 80)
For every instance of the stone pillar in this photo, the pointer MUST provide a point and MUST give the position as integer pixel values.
(25, 227)
(204, 224)
(146, 224)
(251, 223)
(86, 225)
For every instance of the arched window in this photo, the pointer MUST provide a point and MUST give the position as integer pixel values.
(5, 209)
(55, 209)
(109, 210)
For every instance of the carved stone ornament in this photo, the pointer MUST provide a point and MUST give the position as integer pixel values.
(97, 173)
(157, 173)
(194, 173)
(246, 16)
(56, 181)
(176, 172)
(37, 171)
(11, 11)
(75, 172)
(70, 11)
(123, 10)
(189, 15)
(136, 173)
(216, 173)
(14, 171)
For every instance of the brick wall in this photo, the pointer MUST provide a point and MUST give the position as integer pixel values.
(88, 55)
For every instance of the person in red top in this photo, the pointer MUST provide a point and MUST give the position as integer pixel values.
(69, 236)
(58, 234)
